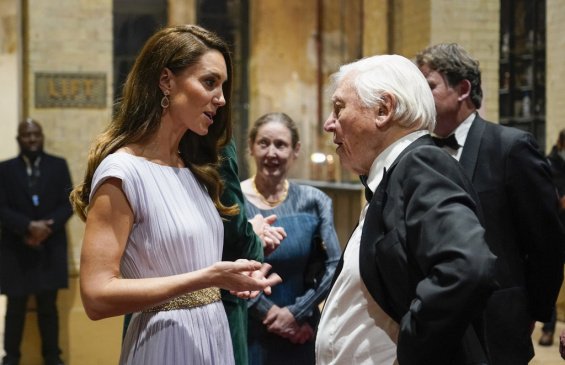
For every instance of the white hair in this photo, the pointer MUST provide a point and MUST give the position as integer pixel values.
(397, 76)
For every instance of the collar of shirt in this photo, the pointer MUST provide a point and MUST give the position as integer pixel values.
(387, 157)
(30, 167)
(462, 130)
(461, 133)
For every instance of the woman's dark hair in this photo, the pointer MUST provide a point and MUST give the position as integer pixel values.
(138, 115)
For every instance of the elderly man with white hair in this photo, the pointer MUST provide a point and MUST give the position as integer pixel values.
(416, 274)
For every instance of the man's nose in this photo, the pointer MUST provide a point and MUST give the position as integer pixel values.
(30, 138)
(329, 124)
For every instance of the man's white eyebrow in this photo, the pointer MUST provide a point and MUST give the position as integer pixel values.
(336, 98)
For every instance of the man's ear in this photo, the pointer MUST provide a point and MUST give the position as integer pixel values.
(464, 89)
(385, 109)
(166, 80)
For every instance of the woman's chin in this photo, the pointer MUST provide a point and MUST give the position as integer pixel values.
(273, 174)
(201, 132)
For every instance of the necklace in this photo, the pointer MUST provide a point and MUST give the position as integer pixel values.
(268, 202)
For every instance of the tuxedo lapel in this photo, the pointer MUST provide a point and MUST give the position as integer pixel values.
(470, 154)
(373, 231)
(371, 236)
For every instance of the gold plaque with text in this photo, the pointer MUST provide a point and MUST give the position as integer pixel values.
(70, 90)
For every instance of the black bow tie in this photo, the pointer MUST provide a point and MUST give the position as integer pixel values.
(450, 142)
(368, 192)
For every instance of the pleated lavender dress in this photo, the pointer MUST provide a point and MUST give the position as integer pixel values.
(177, 229)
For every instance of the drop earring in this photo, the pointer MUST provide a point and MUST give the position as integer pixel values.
(165, 100)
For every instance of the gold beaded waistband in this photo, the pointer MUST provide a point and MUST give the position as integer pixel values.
(190, 300)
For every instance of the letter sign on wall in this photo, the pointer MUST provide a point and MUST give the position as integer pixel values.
(70, 90)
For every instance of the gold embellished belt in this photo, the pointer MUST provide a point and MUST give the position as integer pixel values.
(190, 300)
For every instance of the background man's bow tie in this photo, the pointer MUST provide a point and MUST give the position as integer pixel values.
(450, 142)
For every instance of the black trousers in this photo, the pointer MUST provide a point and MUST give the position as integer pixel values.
(48, 321)
(550, 326)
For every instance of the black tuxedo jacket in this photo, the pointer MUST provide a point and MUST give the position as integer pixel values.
(25, 270)
(513, 181)
(424, 259)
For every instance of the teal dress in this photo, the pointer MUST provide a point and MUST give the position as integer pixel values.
(239, 242)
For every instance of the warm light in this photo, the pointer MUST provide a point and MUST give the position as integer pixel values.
(318, 157)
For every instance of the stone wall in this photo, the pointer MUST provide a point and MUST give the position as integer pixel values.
(473, 24)
(68, 36)
(10, 90)
(411, 26)
(62, 37)
(555, 89)
(283, 67)
(295, 46)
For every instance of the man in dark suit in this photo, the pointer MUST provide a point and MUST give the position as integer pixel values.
(416, 273)
(34, 207)
(513, 181)
(556, 160)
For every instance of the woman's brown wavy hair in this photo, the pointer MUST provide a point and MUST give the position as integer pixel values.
(139, 111)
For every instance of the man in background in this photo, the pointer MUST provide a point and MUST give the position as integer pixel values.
(513, 181)
(34, 207)
(557, 164)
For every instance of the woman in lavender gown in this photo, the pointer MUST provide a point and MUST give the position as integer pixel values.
(153, 239)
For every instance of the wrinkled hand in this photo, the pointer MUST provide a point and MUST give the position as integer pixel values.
(38, 231)
(270, 236)
(304, 334)
(281, 322)
(243, 278)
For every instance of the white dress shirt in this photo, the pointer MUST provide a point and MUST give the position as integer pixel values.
(461, 133)
(354, 329)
